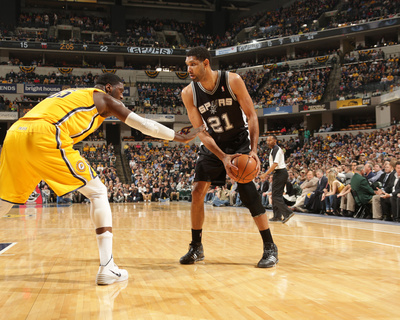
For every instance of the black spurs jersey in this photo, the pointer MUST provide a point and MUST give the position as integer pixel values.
(220, 109)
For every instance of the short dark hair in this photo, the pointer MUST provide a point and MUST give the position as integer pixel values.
(273, 136)
(108, 78)
(200, 53)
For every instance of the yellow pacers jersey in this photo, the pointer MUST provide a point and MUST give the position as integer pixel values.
(40, 146)
(72, 111)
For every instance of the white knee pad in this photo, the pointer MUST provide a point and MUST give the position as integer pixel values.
(100, 210)
(5, 207)
(94, 189)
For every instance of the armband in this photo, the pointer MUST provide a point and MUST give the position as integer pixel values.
(149, 127)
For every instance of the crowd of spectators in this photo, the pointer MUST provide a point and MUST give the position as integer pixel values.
(297, 18)
(284, 87)
(359, 11)
(160, 98)
(366, 55)
(96, 154)
(159, 173)
(293, 87)
(46, 20)
(254, 80)
(339, 157)
(370, 73)
(85, 80)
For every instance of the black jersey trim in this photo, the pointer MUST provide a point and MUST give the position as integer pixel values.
(229, 86)
(72, 112)
(88, 128)
(19, 203)
(62, 151)
(216, 85)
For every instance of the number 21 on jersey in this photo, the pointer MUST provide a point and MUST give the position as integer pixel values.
(220, 124)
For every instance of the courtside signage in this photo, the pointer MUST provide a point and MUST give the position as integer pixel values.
(314, 107)
(220, 52)
(42, 88)
(353, 103)
(277, 110)
(390, 97)
(8, 88)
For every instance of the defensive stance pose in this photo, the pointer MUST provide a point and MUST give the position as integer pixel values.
(39, 146)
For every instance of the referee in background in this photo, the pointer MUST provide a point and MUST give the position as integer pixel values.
(278, 167)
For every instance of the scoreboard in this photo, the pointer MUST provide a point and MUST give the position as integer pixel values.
(32, 45)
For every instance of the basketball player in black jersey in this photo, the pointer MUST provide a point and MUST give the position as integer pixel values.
(220, 99)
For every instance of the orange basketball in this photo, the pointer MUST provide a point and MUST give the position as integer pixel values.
(246, 168)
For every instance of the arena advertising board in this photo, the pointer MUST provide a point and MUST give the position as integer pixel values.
(68, 47)
(249, 46)
(8, 115)
(43, 88)
(50, 89)
(390, 97)
(161, 117)
(8, 88)
(313, 107)
(112, 118)
(353, 103)
(277, 110)
(35, 197)
(145, 50)
(220, 52)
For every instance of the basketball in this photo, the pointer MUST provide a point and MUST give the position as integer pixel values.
(246, 168)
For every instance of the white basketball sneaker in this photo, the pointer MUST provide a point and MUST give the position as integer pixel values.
(110, 273)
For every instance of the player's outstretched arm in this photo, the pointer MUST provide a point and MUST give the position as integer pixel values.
(109, 106)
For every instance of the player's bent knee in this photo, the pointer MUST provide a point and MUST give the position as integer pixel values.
(5, 207)
(251, 198)
(94, 189)
(100, 213)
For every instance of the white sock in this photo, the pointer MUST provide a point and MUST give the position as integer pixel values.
(104, 242)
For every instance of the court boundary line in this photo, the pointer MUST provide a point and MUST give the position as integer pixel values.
(8, 247)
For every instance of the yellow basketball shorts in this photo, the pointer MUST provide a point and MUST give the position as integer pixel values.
(35, 151)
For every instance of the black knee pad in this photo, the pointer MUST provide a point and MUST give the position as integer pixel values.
(251, 198)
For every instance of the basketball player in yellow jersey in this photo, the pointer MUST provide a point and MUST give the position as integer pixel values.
(39, 146)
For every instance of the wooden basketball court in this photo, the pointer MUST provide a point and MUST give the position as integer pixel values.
(328, 268)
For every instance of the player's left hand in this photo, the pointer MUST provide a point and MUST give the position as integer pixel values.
(255, 157)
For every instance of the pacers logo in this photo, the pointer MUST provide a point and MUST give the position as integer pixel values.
(80, 166)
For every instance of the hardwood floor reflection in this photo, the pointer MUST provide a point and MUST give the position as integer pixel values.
(328, 268)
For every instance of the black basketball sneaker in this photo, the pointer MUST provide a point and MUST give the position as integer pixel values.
(195, 253)
(270, 256)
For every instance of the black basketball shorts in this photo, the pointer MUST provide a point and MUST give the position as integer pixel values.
(211, 169)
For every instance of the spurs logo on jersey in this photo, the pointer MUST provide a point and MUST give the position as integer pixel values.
(213, 105)
(220, 109)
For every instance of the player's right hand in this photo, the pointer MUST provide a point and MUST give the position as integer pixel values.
(193, 133)
(229, 167)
